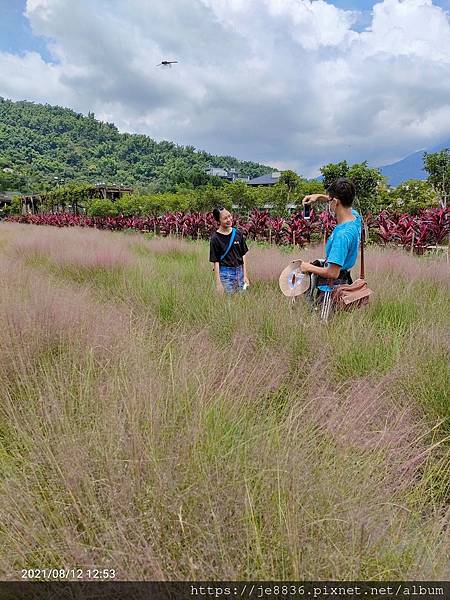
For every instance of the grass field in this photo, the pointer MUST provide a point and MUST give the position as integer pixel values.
(150, 426)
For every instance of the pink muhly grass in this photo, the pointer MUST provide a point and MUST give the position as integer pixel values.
(234, 371)
(77, 247)
(381, 261)
(184, 437)
(37, 314)
(164, 245)
(266, 264)
(364, 415)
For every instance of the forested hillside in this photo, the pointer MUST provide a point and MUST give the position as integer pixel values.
(41, 142)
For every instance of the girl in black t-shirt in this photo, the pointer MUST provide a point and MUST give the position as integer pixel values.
(227, 251)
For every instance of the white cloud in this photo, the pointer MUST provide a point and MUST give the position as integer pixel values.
(285, 82)
(408, 28)
(313, 24)
(30, 77)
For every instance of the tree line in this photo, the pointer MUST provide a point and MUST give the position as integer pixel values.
(373, 196)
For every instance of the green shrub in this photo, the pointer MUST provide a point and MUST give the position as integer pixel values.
(129, 205)
(411, 196)
(102, 208)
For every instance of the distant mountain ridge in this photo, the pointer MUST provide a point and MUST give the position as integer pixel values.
(410, 167)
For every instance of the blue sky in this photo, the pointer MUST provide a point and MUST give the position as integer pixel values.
(291, 83)
(16, 35)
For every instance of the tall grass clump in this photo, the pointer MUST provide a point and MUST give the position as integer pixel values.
(151, 426)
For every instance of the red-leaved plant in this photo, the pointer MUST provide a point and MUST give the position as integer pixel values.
(431, 226)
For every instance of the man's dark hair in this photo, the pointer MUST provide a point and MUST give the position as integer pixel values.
(216, 212)
(344, 190)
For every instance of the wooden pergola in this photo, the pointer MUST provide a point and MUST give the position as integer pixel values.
(31, 204)
(110, 192)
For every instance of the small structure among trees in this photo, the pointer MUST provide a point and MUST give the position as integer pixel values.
(5, 200)
(71, 198)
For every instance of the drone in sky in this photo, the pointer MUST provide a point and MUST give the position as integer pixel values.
(167, 63)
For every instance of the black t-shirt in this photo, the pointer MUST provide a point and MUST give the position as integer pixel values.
(219, 243)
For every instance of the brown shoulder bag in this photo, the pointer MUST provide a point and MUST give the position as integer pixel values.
(356, 294)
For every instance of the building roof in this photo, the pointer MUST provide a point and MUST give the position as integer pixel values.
(264, 180)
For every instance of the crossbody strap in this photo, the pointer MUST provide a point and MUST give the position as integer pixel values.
(363, 237)
(230, 243)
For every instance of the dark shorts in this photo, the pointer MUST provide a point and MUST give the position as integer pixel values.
(232, 278)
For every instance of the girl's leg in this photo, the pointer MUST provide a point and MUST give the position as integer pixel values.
(240, 278)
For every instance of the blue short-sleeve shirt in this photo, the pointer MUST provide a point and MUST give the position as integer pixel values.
(342, 245)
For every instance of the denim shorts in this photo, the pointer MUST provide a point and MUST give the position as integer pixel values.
(232, 278)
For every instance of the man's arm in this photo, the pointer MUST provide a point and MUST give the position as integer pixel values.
(335, 259)
(330, 272)
(315, 198)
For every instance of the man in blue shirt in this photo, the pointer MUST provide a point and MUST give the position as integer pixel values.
(341, 250)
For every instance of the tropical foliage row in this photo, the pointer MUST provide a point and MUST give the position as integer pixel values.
(429, 227)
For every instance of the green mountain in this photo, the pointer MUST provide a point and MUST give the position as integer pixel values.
(45, 144)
